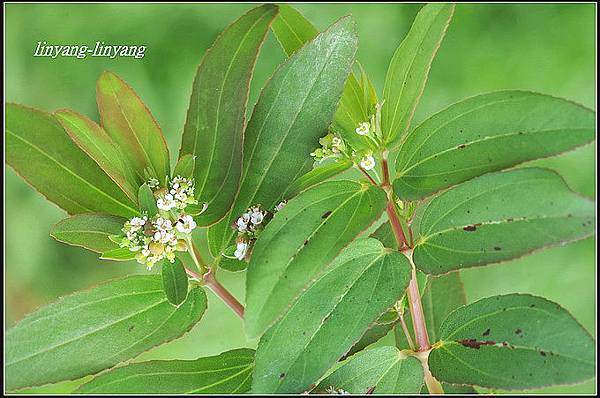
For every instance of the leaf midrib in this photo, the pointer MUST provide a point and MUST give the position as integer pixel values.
(402, 173)
(217, 120)
(47, 155)
(94, 331)
(452, 119)
(341, 298)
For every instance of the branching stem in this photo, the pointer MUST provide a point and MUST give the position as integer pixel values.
(412, 292)
(223, 293)
(209, 279)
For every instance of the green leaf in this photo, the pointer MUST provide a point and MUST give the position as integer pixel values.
(300, 241)
(90, 231)
(131, 125)
(227, 373)
(40, 151)
(315, 176)
(185, 166)
(442, 295)
(294, 110)
(94, 141)
(92, 330)
(376, 331)
(227, 262)
(513, 342)
(329, 317)
(216, 117)
(498, 217)
(175, 281)
(409, 69)
(147, 201)
(293, 30)
(118, 254)
(382, 370)
(385, 235)
(487, 133)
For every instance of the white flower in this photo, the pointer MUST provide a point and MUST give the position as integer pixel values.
(257, 217)
(186, 224)
(137, 221)
(152, 183)
(333, 391)
(242, 222)
(240, 251)
(367, 162)
(166, 203)
(363, 128)
(163, 225)
(280, 205)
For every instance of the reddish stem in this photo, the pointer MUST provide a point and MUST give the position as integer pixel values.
(223, 293)
(386, 171)
(414, 298)
(367, 175)
(192, 274)
(416, 311)
(395, 223)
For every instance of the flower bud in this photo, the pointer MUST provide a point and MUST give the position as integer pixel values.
(181, 245)
(156, 248)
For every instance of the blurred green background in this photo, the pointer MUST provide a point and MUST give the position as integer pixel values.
(546, 48)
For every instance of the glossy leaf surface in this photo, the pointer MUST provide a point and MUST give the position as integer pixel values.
(329, 317)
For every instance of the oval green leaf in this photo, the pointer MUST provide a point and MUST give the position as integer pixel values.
(147, 201)
(175, 281)
(300, 241)
(513, 342)
(498, 217)
(41, 152)
(329, 317)
(216, 116)
(228, 262)
(89, 331)
(294, 109)
(409, 69)
(131, 125)
(90, 231)
(293, 30)
(185, 166)
(382, 370)
(487, 133)
(118, 254)
(227, 373)
(94, 141)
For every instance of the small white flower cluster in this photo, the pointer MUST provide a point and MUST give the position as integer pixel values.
(249, 225)
(336, 391)
(178, 196)
(332, 146)
(251, 220)
(159, 237)
(156, 239)
(367, 162)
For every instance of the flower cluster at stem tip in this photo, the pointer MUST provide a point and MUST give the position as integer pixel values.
(334, 147)
(159, 237)
(249, 225)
